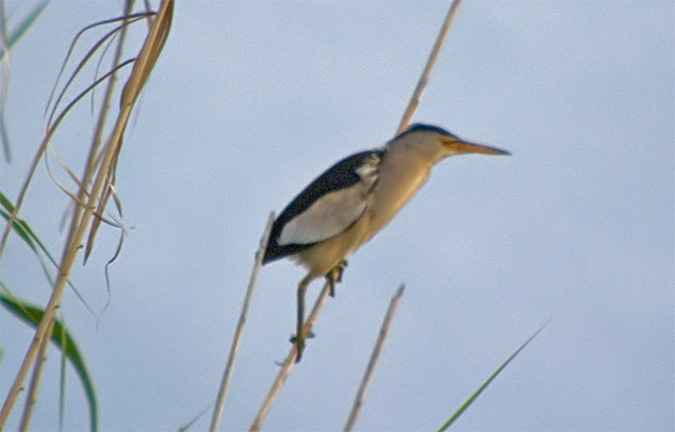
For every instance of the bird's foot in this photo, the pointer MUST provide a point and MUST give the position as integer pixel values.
(335, 275)
(294, 338)
(299, 341)
(340, 268)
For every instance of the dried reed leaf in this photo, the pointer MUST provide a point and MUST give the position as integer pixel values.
(142, 67)
(131, 19)
(151, 49)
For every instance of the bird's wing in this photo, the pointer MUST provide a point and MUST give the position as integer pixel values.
(328, 206)
(326, 217)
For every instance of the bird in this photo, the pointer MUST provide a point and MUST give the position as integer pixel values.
(352, 201)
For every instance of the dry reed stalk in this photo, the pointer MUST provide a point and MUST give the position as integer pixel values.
(229, 368)
(289, 362)
(135, 80)
(102, 121)
(31, 401)
(146, 60)
(374, 358)
(431, 62)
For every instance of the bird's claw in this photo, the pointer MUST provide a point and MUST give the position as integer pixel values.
(299, 348)
(309, 335)
(341, 266)
(335, 276)
(299, 341)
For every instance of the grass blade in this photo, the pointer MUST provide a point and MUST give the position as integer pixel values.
(187, 425)
(34, 243)
(62, 338)
(7, 44)
(20, 228)
(25, 25)
(494, 374)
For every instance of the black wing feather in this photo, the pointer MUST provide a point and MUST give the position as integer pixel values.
(341, 175)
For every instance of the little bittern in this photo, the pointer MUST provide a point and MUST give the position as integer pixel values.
(353, 200)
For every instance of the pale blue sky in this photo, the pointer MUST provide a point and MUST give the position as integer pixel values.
(252, 100)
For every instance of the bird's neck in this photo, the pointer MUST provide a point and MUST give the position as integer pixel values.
(401, 176)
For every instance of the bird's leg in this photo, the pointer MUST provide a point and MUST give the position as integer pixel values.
(335, 275)
(330, 277)
(299, 338)
(341, 266)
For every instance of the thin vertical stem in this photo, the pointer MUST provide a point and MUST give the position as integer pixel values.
(374, 357)
(90, 166)
(227, 375)
(31, 400)
(431, 62)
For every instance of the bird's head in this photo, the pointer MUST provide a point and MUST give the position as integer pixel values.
(435, 143)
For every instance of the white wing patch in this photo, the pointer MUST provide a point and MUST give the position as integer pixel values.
(334, 212)
(327, 217)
